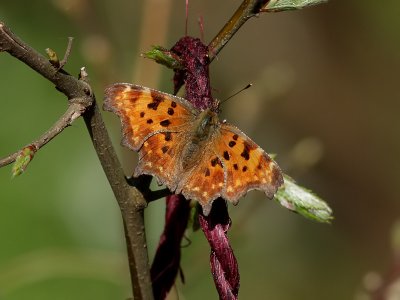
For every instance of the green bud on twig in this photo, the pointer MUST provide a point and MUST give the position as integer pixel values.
(53, 58)
(23, 159)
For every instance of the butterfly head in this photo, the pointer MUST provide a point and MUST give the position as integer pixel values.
(208, 119)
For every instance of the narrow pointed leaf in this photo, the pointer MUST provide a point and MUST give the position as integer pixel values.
(282, 5)
(303, 201)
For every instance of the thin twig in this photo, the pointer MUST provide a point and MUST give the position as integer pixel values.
(74, 111)
(248, 9)
(130, 200)
(67, 52)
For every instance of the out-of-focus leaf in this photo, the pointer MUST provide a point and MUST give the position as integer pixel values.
(303, 201)
(282, 5)
(194, 216)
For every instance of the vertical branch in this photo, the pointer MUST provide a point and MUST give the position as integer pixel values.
(130, 200)
(131, 203)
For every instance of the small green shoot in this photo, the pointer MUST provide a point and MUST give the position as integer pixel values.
(23, 159)
(53, 58)
(163, 57)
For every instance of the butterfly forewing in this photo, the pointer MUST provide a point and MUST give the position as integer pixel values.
(144, 111)
(247, 166)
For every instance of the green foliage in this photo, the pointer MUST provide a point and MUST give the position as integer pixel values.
(303, 201)
(163, 57)
(282, 5)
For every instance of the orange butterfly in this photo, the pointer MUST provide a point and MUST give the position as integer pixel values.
(190, 151)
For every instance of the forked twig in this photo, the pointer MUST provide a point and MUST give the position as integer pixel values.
(130, 200)
(75, 110)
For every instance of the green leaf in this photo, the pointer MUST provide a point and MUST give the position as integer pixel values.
(282, 5)
(23, 159)
(303, 201)
(164, 57)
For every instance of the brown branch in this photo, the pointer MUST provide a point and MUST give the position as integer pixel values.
(248, 9)
(75, 110)
(130, 200)
(131, 203)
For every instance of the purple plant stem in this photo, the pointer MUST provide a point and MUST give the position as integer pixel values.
(195, 76)
(224, 265)
(166, 262)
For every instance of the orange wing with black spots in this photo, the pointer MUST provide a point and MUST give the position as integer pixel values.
(206, 181)
(189, 151)
(159, 156)
(247, 166)
(144, 112)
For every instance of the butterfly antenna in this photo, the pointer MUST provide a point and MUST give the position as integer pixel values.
(187, 17)
(241, 90)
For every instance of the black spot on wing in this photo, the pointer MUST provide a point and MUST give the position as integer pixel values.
(246, 151)
(226, 155)
(167, 136)
(165, 123)
(157, 99)
(164, 149)
(215, 161)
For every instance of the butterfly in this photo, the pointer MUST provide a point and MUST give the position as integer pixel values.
(190, 151)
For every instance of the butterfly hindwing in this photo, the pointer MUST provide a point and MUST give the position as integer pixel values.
(145, 111)
(159, 157)
(206, 181)
(247, 166)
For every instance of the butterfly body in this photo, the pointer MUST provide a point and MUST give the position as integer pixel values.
(190, 151)
(204, 129)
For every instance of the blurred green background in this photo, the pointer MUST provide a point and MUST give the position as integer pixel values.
(325, 99)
